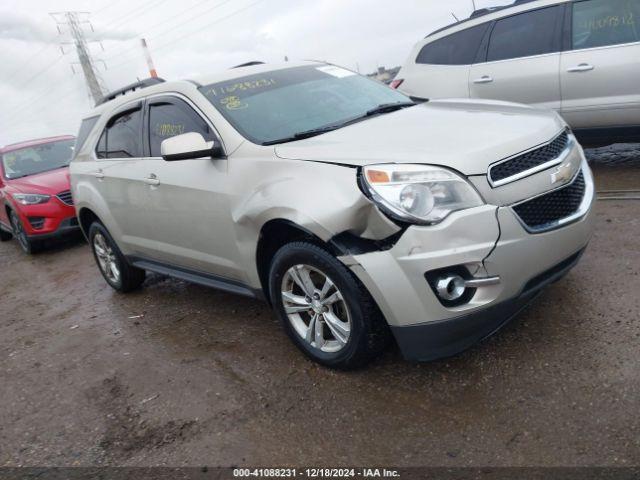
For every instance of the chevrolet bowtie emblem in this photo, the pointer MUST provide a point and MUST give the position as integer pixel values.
(562, 174)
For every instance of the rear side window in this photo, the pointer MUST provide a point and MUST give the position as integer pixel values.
(525, 35)
(85, 129)
(121, 137)
(457, 49)
(173, 118)
(599, 23)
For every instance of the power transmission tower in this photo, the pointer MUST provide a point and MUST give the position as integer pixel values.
(73, 23)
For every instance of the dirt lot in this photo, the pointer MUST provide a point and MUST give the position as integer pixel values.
(177, 374)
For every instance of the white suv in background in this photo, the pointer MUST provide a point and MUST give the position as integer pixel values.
(580, 58)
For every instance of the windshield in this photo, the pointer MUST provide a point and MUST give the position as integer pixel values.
(38, 159)
(277, 105)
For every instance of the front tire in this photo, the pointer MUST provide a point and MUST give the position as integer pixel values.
(324, 308)
(113, 265)
(5, 236)
(28, 246)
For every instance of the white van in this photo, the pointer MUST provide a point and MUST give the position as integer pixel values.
(580, 58)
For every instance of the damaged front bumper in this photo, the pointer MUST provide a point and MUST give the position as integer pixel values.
(487, 242)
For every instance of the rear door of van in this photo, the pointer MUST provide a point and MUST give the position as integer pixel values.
(522, 61)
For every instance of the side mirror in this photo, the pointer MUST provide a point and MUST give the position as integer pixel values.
(189, 146)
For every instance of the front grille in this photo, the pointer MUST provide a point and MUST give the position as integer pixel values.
(529, 160)
(66, 198)
(544, 212)
(36, 222)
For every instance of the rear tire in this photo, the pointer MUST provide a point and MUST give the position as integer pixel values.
(333, 320)
(28, 246)
(114, 267)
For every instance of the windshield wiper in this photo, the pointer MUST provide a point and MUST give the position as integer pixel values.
(380, 109)
(388, 108)
(306, 134)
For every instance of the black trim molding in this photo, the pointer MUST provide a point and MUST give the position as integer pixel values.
(608, 135)
(194, 276)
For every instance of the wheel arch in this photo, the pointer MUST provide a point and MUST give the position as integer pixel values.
(86, 217)
(274, 235)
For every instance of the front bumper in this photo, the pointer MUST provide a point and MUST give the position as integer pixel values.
(47, 220)
(64, 227)
(488, 241)
(445, 338)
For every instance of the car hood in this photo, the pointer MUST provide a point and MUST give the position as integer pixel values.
(465, 135)
(49, 183)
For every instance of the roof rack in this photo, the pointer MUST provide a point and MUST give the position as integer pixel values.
(147, 82)
(481, 13)
(484, 11)
(248, 64)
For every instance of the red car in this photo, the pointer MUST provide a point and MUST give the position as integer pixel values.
(35, 196)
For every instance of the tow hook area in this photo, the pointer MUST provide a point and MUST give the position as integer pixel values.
(453, 287)
(456, 286)
(433, 272)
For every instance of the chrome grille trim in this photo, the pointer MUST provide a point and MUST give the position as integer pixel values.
(587, 199)
(571, 143)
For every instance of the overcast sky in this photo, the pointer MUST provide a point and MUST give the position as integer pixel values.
(41, 96)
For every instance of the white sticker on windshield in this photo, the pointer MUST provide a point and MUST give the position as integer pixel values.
(336, 71)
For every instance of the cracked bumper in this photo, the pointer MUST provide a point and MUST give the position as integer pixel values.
(488, 241)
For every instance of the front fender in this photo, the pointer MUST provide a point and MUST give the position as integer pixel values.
(323, 199)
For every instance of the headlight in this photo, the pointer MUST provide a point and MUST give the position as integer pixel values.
(418, 193)
(31, 198)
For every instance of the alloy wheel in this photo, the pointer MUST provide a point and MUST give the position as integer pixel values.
(107, 259)
(316, 308)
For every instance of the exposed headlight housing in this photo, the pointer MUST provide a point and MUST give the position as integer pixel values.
(31, 198)
(419, 194)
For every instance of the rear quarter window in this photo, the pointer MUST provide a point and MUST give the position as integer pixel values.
(85, 129)
(459, 48)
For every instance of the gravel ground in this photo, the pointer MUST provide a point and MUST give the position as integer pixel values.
(177, 374)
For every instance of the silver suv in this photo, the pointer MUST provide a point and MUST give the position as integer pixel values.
(353, 211)
(579, 57)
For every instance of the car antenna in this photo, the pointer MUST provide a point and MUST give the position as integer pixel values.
(454, 16)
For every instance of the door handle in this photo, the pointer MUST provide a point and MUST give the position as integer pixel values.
(152, 180)
(99, 175)
(583, 67)
(485, 79)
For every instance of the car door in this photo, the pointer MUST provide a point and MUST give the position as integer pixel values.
(600, 71)
(441, 67)
(121, 178)
(522, 59)
(188, 210)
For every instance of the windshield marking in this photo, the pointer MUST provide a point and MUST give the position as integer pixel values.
(278, 106)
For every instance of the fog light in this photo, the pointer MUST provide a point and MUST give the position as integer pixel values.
(451, 287)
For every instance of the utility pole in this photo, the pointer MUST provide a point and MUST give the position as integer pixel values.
(74, 22)
(147, 54)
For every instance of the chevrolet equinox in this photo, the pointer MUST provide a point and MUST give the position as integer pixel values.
(357, 214)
